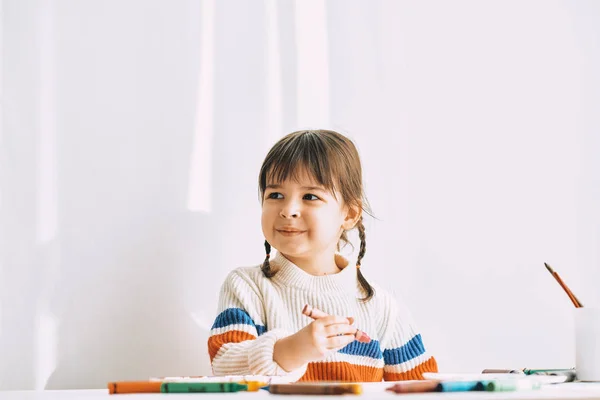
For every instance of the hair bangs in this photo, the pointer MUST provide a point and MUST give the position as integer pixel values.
(298, 155)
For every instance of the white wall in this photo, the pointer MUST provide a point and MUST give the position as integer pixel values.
(132, 133)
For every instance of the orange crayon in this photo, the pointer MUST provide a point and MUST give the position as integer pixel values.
(315, 313)
(134, 387)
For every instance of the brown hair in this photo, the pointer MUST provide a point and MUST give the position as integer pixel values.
(333, 161)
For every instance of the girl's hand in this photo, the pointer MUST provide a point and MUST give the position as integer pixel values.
(314, 342)
(323, 336)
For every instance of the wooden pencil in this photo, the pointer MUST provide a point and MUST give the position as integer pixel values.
(574, 299)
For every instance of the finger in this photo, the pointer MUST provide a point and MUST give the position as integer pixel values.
(333, 319)
(339, 329)
(339, 342)
(312, 312)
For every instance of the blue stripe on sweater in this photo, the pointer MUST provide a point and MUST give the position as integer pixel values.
(237, 316)
(357, 348)
(413, 348)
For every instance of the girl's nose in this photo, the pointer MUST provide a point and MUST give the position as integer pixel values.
(290, 210)
(285, 215)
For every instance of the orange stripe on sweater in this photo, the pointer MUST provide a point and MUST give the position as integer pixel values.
(416, 373)
(341, 371)
(215, 342)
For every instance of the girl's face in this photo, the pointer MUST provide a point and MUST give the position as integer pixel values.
(301, 218)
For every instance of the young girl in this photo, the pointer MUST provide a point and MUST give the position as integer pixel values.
(312, 195)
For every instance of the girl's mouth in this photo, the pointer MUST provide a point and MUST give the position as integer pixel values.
(290, 233)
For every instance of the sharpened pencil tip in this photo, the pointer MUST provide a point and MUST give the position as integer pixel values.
(549, 268)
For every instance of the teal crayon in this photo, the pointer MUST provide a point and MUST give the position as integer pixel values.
(460, 386)
(202, 387)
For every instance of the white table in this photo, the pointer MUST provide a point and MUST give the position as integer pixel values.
(565, 391)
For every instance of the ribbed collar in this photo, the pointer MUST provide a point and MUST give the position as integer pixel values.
(289, 274)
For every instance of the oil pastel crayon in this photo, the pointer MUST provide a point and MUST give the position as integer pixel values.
(570, 373)
(202, 387)
(254, 386)
(254, 382)
(316, 389)
(563, 371)
(510, 385)
(459, 386)
(414, 386)
(134, 387)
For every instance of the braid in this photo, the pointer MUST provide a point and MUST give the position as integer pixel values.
(363, 248)
(266, 266)
(363, 242)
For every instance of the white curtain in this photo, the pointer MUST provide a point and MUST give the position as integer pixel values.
(132, 133)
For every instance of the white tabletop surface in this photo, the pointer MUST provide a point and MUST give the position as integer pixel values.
(370, 390)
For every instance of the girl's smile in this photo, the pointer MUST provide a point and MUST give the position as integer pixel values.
(290, 231)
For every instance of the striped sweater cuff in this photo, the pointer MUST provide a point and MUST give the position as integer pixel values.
(260, 357)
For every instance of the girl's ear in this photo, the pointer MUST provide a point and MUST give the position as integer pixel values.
(353, 214)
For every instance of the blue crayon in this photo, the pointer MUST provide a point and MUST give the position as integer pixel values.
(460, 386)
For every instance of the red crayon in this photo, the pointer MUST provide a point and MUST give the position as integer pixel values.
(315, 313)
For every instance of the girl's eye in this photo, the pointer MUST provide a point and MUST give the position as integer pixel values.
(308, 197)
(274, 195)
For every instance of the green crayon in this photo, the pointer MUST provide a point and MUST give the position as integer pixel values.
(202, 387)
(510, 385)
(528, 371)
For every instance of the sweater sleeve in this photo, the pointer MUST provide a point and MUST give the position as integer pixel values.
(240, 342)
(404, 354)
